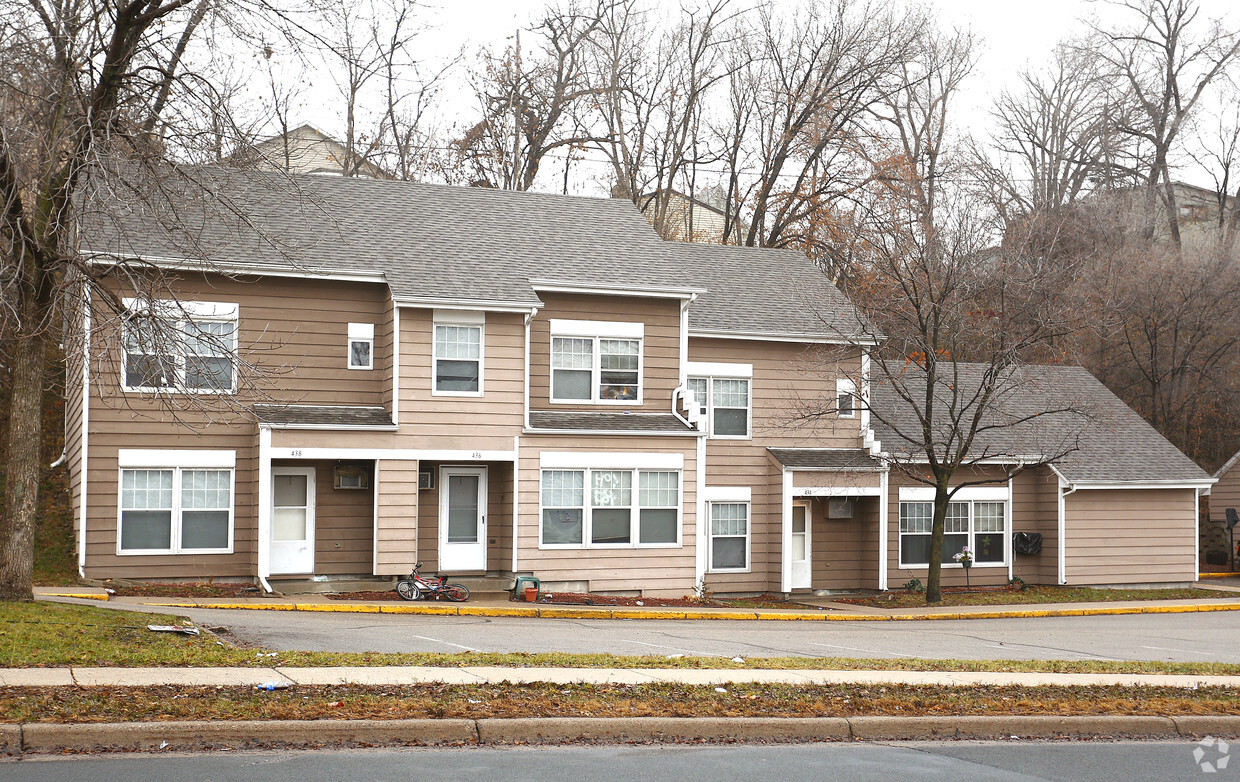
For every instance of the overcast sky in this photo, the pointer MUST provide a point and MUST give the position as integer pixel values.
(1012, 33)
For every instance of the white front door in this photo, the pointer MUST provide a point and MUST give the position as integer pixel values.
(292, 520)
(462, 518)
(801, 577)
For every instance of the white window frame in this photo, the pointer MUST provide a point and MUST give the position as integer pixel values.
(710, 535)
(177, 462)
(177, 315)
(596, 331)
(708, 405)
(365, 333)
(846, 386)
(969, 496)
(460, 319)
(635, 507)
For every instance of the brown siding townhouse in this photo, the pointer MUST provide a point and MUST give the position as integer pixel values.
(514, 383)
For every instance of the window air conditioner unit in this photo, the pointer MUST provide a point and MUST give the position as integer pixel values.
(840, 508)
(352, 476)
(426, 479)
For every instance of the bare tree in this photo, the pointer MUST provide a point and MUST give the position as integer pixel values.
(1168, 59)
(1057, 136)
(532, 104)
(812, 79)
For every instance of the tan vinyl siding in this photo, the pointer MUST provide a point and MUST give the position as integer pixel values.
(1225, 494)
(74, 442)
(660, 373)
(396, 527)
(102, 560)
(1130, 536)
(653, 571)
(845, 551)
(295, 337)
(488, 422)
(831, 479)
(780, 383)
(1035, 508)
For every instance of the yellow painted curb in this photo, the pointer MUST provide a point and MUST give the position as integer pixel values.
(1217, 575)
(587, 612)
(78, 595)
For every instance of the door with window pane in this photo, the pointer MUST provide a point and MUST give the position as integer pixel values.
(801, 546)
(463, 518)
(292, 520)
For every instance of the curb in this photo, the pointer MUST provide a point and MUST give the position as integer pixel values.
(76, 595)
(631, 613)
(183, 736)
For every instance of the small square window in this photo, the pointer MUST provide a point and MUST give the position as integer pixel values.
(845, 399)
(361, 346)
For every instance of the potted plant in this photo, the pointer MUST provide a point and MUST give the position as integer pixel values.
(965, 558)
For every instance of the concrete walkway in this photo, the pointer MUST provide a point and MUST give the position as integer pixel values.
(808, 608)
(399, 675)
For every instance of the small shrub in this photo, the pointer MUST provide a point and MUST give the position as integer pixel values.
(914, 585)
(1018, 584)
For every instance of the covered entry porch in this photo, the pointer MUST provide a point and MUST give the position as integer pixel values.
(833, 507)
(333, 513)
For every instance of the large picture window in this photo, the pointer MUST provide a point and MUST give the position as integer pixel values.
(978, 524)
(189, 346)
(725, 404)
(610, 508)
(175, 510)
(596, 362)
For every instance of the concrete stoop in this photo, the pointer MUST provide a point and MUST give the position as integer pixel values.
(182, 736)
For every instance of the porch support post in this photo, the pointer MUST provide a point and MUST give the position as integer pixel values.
(263, 544)
(516, 494)
(785, 555)
(374, 519)
(884, 528)
(700, 520)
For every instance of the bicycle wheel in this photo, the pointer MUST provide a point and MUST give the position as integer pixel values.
(457, 593)
(408, 590)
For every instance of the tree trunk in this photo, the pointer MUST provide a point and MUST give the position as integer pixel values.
(21, 485)
(934, 568)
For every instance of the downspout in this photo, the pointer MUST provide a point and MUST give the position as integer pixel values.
(85, 439)
(1063, 527)
(884, 529)
(64, 457)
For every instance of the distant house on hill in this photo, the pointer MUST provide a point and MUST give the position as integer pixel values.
(689, 219)
(305, 150)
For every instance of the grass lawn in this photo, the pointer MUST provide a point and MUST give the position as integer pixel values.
(117, 704)
(58, 635)
(1037, 594)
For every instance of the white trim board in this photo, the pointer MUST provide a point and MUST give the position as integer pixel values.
(727, 494)
(287, 452)
(150, 457)
(836, 491)
(607, 329)
(968, 493)
(720, 369)
(626, 460)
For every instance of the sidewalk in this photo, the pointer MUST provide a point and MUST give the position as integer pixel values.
(400, 675)
(812, 609)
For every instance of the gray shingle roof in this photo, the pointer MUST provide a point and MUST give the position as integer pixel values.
(609, 422)
(468, 244)
(826, 458)
(1112, 444)
(322, 415)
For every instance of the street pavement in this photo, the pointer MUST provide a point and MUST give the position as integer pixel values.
(1184, 637)
(1171, 761)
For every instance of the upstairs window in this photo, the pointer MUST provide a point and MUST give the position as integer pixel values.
(180, 346)
(361, 346)
(596, 362)
(725, 404)
(458, 353)
(846, 398)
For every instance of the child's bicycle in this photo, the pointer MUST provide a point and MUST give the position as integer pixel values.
(415, 586)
